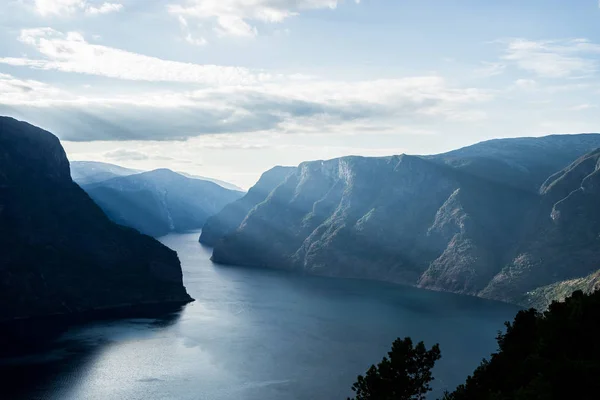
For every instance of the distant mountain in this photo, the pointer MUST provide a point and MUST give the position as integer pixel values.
(462, 221)
(219, 182)
(233, 214)
(160, 201)
(59, 253)
(86, 172)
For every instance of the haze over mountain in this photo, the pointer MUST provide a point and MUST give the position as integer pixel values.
(219, 182)
(471, 221)
(59, 253)
(86, 172)
(160, 201)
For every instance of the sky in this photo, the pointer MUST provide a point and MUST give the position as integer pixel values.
(230, 88)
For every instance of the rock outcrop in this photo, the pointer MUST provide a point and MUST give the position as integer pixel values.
(59, 253)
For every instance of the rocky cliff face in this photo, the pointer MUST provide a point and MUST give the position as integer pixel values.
(450, 222)
(59, 253)
(234, 213)
(564, 241)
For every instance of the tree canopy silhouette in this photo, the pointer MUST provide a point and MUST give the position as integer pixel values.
(404, 375)
(551, 355)
(543, 356)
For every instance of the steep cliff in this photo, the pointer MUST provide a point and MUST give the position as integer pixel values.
(234, 213)
(564, 242)
(448, 222)
(59, 253)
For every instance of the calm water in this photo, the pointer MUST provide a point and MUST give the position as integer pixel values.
(256, 335)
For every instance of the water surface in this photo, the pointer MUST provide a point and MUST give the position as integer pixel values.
(256, 335)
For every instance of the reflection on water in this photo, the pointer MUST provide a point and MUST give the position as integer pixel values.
(60, 360)
(255, 334)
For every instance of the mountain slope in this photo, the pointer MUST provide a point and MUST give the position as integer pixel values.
(59, 253)
(448, 222)
(86, 172)
(520, 162)
(219, 182)
(564, 242)
(233, 214)
(160, 201)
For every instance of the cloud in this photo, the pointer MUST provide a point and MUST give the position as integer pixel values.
(285, 107)
(234, 26)
(187, 34)
(554, 58)
(233, 17)
(70, 52)
(125, 155)
(58, 7)
(16, 91)
(219, 99)
(66, 7)
(104, 8)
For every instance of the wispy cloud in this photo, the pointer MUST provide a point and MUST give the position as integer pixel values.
(66, 7)
(235, 17)
(318, 106)
(103, 8)
(71, 52)
(16, 91)
(554, 58)
(125, 154)
(188, 36)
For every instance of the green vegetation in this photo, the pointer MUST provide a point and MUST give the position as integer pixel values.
(543, 356)
(405, 375)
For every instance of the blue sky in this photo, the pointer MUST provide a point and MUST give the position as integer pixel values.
(229, 88)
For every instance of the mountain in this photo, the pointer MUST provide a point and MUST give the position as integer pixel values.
(86, 172)
(219, 182)
(454, 222)
(233, 214)
(59, 253)
(160, 201)
(564, 242)
(520, 162)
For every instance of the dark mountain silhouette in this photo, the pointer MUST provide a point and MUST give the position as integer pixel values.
(59, 253)
(160, 201)
(455, 221)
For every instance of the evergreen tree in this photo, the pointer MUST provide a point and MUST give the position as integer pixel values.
(404, 375)
(553, 355)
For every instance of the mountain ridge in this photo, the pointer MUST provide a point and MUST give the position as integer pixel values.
(450, 222)
(160, 201)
